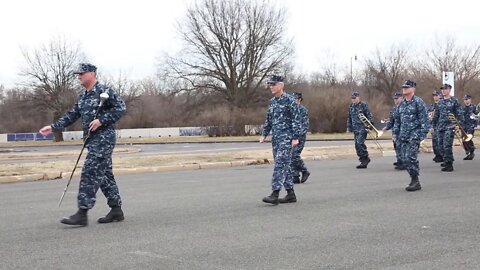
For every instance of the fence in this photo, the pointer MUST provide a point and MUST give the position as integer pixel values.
(122, 133)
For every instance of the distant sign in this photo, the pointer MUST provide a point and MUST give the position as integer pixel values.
(448, 77)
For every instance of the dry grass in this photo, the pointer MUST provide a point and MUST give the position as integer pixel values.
(66, 164)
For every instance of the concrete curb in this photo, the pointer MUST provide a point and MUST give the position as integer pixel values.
(55, 175)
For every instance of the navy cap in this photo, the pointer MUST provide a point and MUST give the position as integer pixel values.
(298, 95)
(355, 94)
(84, 68)
(397, 95)
(446, 86)
(436, 93)
(409, 84)
(275, 79)
(467, 96)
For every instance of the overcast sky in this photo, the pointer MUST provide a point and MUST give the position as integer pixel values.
(129, 36)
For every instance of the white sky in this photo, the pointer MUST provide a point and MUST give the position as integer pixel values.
(129, 36)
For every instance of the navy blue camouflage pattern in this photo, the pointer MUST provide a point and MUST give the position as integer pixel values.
(391, 122)
(469, 125)
(283, 120)
(435, 145)
(297, 163)
(444, 107)
(446, 129)
(97, 169)
(410, 128)
(359, 131)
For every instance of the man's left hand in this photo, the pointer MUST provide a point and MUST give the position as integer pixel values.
(294, 142)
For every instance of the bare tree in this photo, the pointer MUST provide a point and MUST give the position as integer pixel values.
(384, 72)
(2, 94)
(128, 89)
(230, 47)
(446, 55)
(49, 75)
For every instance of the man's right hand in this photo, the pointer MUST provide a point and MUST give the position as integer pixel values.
(45, 130)
(262, 139)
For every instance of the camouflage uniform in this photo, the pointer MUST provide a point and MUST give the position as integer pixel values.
(411, 127)
(284, 122)
(297, 163)
(446, 128)
(469, 127)
(97, 169)
(359, 131)
(433, 109)
(390, 124)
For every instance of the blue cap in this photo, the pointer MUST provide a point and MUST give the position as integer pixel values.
(355, 94)
(467, 96)
(409, 84)
(84, 68)
(436, 93)
(275, 79)
(397, 95)
(446, 86)
(297, 95)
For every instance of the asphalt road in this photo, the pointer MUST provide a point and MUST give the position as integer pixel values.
(214, 219)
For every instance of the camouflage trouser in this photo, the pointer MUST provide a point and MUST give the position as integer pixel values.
(408, 150)
(469, 146)
(282, 154)
(360, 137)
(445, 144)
(397, 151)
(97, 173)
(297, 162)
(436, 149)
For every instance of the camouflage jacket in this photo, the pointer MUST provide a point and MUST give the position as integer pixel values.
(86, 107)
(432, 110)
(283, 118)
(391, 118)
(304, 120)
(411, 121)
(469, 123)
(353, 123)
(445, 107)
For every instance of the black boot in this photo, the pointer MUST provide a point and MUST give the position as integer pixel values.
(363, 163)
(438, 159)
(448, 167)
(296, 179)
(414, 184)
(80, 218)
(443, 164)
(115, 214)
(305, 176)
(470, 156)
(289, 198)
(273, 198)
(467, 157)
(395, 163)
(400, 167)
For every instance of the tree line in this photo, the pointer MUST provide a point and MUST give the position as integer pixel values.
(218, 77)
